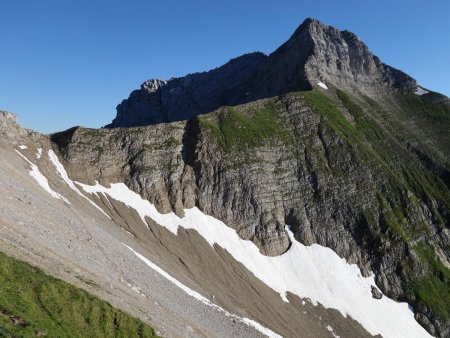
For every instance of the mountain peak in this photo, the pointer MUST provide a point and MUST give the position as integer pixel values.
(316, 55)
(340, 58)
(309, 23)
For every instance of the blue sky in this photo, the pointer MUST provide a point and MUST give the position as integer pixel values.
(66, 63)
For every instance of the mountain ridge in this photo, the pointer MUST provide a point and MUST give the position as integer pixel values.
(314, 53)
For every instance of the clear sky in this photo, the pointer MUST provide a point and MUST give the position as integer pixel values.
(66, 63)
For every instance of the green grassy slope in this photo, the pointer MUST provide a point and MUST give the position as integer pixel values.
(33, 304)
(238, 131)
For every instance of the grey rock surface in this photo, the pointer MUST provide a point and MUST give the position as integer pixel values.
(7, 120)
(182, 98)
(9, 129)
(376, 293)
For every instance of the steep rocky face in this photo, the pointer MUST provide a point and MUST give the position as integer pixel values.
(340, 169)
(342, 59)
(314, 53)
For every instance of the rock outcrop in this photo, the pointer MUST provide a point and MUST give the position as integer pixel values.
(8, 124)
(10, 131)
(315, 52)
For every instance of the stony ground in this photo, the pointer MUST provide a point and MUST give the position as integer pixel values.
(79, 246)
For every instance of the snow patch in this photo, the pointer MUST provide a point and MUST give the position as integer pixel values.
(121, 193)
(259, 327)
(39, 153)
(63, 173)
(41, 179)
(202, 299)
(330, 329)
(323, 85)
(313, 272)
(420, 91)
(23, 147)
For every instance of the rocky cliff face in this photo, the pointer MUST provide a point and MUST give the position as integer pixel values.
(325, 163)
(315, 52)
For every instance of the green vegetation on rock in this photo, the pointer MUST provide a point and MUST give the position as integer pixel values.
(33, 304)
(168, 143)
(433, 290)
(375, 145)
(430, 105)
(236, 130)
(327, 108)
(392, 220)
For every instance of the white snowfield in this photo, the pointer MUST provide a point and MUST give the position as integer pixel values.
(420, 91)
(202, 299)
(313, 272)
(41, 179)
(323, 85)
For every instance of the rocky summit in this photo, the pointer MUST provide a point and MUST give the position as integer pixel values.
(302, 193)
